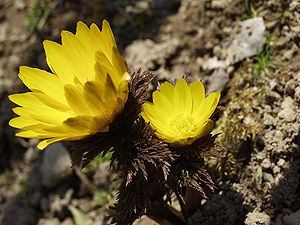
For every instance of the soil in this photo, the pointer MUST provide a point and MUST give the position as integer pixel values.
(258, 171)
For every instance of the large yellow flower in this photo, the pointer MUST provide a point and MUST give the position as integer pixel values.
(180, 114)
(87, 88)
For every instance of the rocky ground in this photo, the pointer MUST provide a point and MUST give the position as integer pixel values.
(248, 50)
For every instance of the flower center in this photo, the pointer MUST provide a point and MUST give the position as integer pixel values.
(182, 124)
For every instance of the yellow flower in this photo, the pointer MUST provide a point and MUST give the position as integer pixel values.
(180, 114)
(87, 88)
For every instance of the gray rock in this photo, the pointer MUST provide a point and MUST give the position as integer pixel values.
(276, 170)
(146, 53)
(268, 120)
(278, 135)
(281, 162)
(218, 81)
(297, 93)
(247, 43)
(215, 63)
(287, 103)
(257, 218)
(266, 164)
(287, 112)
(49, 221)
(288, 54)
(268, 177)
(56, 165)
(144, 220)
(18, 214)
(219, 4)
(292, 219)
(67, 221)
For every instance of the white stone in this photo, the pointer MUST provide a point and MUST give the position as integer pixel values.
(266, 163)
(257, 218)
(247, 43)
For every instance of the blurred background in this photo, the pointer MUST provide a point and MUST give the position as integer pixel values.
(248, 50)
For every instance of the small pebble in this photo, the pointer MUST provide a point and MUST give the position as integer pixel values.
(268, 177)
(266, 164)
(281, 162)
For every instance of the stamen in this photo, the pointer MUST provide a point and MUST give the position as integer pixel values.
(182, 124)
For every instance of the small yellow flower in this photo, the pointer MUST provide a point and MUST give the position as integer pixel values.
(180, 114)
(87, 88)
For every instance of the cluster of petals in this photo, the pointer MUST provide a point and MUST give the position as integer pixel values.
(85, 90)
(180, 114)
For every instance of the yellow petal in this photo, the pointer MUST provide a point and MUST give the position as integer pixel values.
(217, 96)
(108, 34)
(51, 102)
(26, 123)
(118, 63)
(27, 100)
(100, 124)
(78, 58)
(28, 134)
(79, 123)
(42, 115)
(61, 131)
(34, 100)
(83, 35)
(98, 41)
(76, 100)
(198, 93)
(56, 57)
(204, 129)
(123, 87)
(43, 144)
(99, 102)
(166, 134)
(101, 73)
(154, 116)
(162, 104)
(167, 90)
(207, 107)
(43, 134)
(33, 104)
(104, 41)
(49, 84)
(182, 97)
(103, 64)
